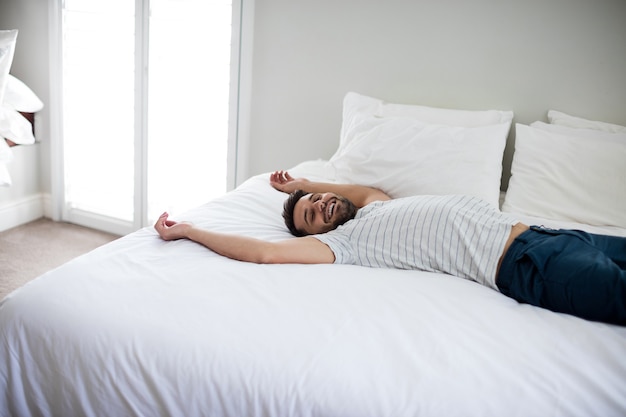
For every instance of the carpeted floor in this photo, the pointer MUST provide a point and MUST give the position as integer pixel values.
(29, 250)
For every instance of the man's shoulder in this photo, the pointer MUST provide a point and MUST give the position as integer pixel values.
(384, 204)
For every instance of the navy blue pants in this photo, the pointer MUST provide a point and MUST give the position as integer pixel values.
(568, 271)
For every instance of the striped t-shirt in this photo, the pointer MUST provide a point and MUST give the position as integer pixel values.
(455, 234)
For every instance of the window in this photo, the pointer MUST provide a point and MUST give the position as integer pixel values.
(145, 108)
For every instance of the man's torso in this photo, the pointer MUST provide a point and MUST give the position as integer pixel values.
(458, 235)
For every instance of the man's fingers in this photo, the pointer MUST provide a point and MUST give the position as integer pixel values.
(276, 176)
(280, 177)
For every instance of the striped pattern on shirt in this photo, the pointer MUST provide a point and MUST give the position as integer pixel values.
(455, 234)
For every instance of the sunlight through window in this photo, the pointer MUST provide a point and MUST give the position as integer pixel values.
(187, 105)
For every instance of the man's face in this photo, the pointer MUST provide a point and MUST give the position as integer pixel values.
(322, 212)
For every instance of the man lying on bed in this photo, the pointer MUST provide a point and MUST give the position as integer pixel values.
(562, 270)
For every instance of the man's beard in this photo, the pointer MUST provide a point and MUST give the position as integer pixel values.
(346, 212)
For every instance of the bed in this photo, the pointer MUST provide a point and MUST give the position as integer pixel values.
(144, 327)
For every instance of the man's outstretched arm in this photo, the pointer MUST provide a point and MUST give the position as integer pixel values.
(304, 250)
(360, 195)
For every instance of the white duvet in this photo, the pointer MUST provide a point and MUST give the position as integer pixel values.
(143, 327)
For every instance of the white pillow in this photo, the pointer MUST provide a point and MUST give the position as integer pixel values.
(6, 155)
(18, 96)
(572, 131)
(7, 48)
(559, 118)
(403, 156)
(567, 177)
(15, 127)
(356, 105)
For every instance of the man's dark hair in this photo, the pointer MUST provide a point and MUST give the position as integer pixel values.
(288, 208)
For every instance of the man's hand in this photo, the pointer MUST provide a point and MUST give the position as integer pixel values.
(282, 181)
(359, 195)
(171, 230)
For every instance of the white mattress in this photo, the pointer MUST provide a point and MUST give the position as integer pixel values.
(143, 327)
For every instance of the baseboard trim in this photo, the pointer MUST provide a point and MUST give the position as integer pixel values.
(21, 211)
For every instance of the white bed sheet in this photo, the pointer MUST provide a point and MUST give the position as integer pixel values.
(143, 327)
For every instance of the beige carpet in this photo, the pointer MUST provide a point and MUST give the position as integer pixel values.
(30, 250)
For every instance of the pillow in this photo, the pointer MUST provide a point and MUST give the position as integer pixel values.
(18, 96)
(559, 118)
(571, 131)
(566, 177)
(7, 48)
(6, 155)
(15, 127)
(356, 105)
(403, 156)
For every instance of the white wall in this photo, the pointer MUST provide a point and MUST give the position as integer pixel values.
(30, 169)
(522, 55)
